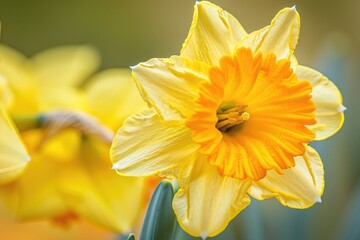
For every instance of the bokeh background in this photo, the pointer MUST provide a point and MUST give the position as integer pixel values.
(128, 32)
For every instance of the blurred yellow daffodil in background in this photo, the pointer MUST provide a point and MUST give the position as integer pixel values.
(70, 176)
(232, 116)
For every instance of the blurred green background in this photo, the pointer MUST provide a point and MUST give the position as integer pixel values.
(128, 32)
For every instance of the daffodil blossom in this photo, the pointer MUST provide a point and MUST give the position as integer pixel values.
(230, 118)
(70, 173)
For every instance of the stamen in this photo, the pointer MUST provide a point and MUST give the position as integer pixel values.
(225, 116)
(230, 117)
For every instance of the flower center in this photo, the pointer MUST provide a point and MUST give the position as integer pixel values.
(230, 115)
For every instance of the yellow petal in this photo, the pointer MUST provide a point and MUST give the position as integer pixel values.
(18, 74)
(6, 96)
(11, 60)
(39, 192)
(9, 54)
(115, 86)
(170, 85)
(328, 100)
(299, 187)
(280, 37)
(39, 186)
(65, 65)
(48, 80)
(64, 144)
(58, 70)
(213, 33)
(145, 146)
(68, 98)
(122, 200)
(206, 202)
(113, 207)
(13, 156)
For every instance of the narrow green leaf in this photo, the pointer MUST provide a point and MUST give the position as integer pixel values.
(160, 218)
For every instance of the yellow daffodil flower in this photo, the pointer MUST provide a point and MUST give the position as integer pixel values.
(232, 116)
(70, 174)
(13, 155)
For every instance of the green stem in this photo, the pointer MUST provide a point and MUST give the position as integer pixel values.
(27, 122)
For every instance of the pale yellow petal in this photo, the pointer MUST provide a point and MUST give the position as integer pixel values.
(11, 62)
(38, 186)
(65, 98)
(6, 96)
(299, 187)
(15, 69)
(48, 79)
(39, 193)
(13, 155)
(206, 202)
(280, 37)
(64, 145)
(65, 65)
(122, 197)
(170, 85)
(10, 55)
(106, 199)
(145, 146)
(113, 96)
(328, 100)
(213, 33)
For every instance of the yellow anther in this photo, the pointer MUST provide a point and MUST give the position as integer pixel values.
(245, 116)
